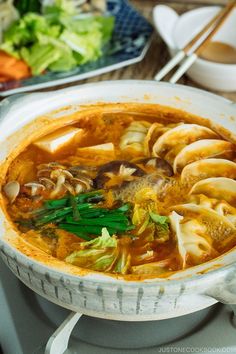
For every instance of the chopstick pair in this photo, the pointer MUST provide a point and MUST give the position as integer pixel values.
(194, 48)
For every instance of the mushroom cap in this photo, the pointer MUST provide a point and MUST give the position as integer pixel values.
(159, 165)
(117, 167)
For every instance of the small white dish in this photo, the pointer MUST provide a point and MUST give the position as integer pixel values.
(177, 30)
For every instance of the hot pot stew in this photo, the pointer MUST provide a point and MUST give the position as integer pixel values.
(126, 193)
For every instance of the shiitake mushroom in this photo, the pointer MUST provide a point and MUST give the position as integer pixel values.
(116, 173)
(158, 164)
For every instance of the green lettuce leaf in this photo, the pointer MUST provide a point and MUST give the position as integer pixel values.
(81, 25)
(104, 262)
(102, 254)
(97, 254)
(106, 26)
(58, 40)
(162, 225)
(39, 57)
(161, 220)
(87, 45)
(143, 218)
(24, 31)
(103, 241)
(59, 8)
(66, 60)
(123, 264)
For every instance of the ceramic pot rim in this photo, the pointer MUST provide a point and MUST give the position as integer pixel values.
(96, 277)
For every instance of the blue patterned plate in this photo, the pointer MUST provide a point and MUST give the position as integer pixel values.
(130, 41)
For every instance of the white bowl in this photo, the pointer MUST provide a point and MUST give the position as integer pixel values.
(99, 294)
(176, 31)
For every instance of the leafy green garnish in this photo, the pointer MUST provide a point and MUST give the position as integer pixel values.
(102, 242)
(39, 57)
(99, 253)
(162, 221)
(143, 218)
(162, 225)
(104, 253)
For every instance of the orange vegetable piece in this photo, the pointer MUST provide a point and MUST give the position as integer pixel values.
(12, 68)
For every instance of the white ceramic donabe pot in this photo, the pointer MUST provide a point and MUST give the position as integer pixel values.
(100, 295)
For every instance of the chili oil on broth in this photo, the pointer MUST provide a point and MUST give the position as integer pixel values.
(141, 182)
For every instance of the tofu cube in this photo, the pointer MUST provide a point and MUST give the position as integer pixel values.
(53, 142)
(109, 147)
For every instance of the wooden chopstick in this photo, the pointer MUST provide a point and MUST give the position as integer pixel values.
(185, 51)
(220, 15)
(192, 57)
(213, 32)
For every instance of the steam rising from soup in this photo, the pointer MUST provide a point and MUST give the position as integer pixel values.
(126, 193)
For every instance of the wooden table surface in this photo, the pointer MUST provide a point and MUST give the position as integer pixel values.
(157, 55)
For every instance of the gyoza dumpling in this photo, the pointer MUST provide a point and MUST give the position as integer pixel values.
(184, 134)
(218, 226)
(194, 245)
(220, 207)
(134, 136)
(220, 188)
(223, 208)
(202, 149)
(154, 132)
(206, 168)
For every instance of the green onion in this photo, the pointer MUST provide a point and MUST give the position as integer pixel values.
(89, 197)
(77, 214)
(80, 233)
(53, 216)
(94, 230)
(55, 204)
(85, 231)
(99, 222)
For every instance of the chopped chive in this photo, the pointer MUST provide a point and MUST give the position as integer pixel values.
(81, 198)
(85, 231)
(90, 197)
(53, 216)
(55, 204)
(58, 213)
(75, 211)
(94, 230)
(98, 222)
(79, 216)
